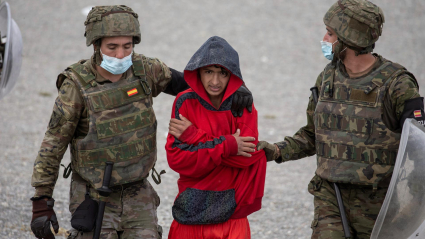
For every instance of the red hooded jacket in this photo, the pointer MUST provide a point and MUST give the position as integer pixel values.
(205, 155)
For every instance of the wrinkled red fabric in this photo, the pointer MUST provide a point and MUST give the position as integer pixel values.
(217, 168)
(232, 229)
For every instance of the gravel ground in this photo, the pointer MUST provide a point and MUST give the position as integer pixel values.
(278, 44)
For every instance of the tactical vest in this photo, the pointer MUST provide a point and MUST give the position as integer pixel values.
(353, 145)
(122, 126)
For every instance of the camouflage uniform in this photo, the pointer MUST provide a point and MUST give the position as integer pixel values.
(104, 121)
(354, 128)
(70, 121)
(350, 177)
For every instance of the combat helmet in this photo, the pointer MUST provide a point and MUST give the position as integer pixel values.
(357, 23)
(110, 21)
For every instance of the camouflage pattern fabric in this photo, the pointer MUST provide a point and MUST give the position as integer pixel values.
(302, 144)
(353, 145)
(110, 21)
(130, 210)
(358, 23)
(122, 127)
(361, 204)
(70, 119)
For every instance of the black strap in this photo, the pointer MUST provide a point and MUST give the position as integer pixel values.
(67, 170)
(157, 179)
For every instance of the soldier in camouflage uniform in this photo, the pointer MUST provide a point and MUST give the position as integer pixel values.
(104, 111)
(354, 128)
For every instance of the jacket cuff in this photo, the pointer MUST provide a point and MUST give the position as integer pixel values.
(232, 145)
(188, 134)
(43, 191)
(285, 154)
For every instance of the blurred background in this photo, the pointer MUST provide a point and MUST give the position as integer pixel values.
(278, 42)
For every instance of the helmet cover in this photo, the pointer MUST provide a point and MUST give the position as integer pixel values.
(110, 21)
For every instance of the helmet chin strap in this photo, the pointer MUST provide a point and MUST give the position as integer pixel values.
(339, 48)
(97, 56)
(337, 51)
(362, 51)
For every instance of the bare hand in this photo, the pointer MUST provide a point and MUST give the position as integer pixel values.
(177, 127)
(244, 148)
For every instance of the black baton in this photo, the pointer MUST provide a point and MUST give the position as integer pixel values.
(342, 212)
(341, 208)
(104, 191)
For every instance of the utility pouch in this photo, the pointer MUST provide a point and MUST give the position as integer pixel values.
(84, 217)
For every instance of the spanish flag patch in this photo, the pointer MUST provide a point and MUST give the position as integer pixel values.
(132, 92)
(417, 113)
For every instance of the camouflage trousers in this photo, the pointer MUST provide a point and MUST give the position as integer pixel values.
(361, 204)
(130, 212)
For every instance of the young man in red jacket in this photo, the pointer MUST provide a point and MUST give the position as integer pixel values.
(221, 174)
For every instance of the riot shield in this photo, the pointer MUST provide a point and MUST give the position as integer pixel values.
(10, 50)
(402, 215)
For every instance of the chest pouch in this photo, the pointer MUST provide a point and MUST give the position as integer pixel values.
(84, 217)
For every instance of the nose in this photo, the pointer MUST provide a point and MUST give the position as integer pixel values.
(215, 80)
(120, 53)
(326, 37)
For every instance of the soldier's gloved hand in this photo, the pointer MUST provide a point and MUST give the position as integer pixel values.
(242, 99)
(42, 216)
(271, 150)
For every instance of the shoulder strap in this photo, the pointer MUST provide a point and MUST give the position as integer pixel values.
(393, 72)
(138, 67)
(83, 74)
(139, 71)
(328, 73)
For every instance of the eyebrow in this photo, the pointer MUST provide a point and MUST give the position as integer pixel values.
(114, 44)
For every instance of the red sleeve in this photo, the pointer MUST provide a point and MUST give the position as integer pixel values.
(248, 125)
(200, 154)
(193, 135)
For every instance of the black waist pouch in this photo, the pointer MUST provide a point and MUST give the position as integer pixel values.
(195, 206)
(84, 217)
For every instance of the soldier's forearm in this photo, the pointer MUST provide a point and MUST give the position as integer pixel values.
(294, 148)
(43, 191)
(45, 174)
(177, 83)
(47, 163)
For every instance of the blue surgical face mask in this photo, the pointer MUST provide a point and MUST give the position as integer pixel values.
(114, 65)
(327, 49)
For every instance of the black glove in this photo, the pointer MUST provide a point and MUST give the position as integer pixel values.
(42, 216)
(242, 99)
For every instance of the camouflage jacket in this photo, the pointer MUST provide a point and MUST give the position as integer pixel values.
(69, 120)
(302, 144)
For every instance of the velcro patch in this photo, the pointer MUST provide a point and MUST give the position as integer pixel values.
(359, 95)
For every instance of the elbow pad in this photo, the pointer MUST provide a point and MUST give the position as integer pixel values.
(413, 108)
